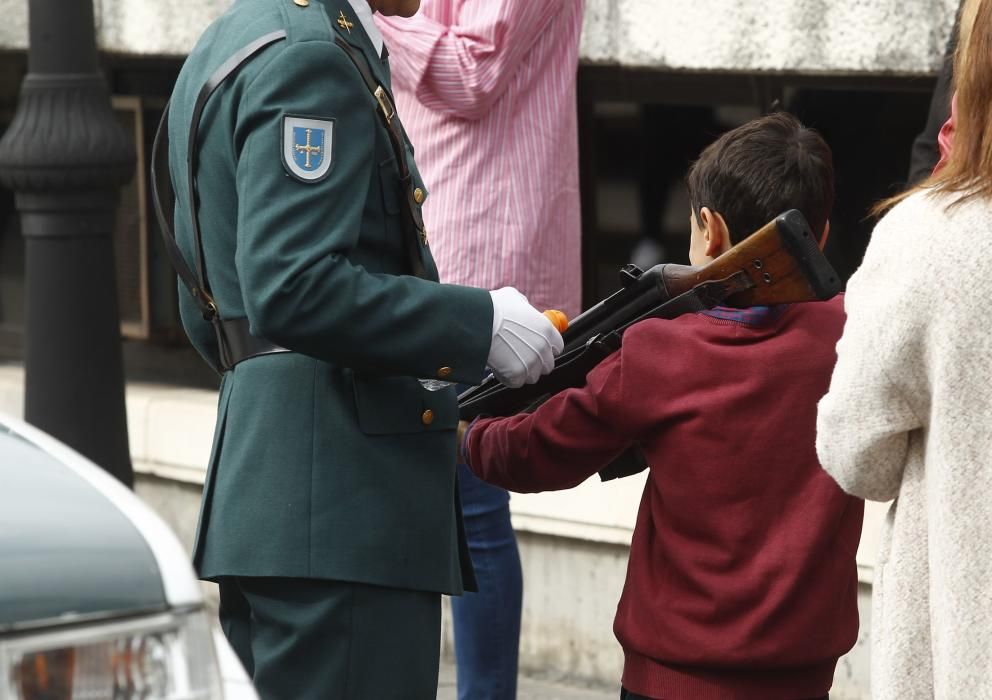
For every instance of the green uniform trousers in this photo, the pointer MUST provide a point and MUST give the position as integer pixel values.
(314, 639)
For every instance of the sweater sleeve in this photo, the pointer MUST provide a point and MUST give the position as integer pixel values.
(865, 420)
(464, 68)
(567, 439)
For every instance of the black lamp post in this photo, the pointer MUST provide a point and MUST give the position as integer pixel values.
(65, 156)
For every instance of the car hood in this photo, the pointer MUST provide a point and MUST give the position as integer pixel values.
(67, 552)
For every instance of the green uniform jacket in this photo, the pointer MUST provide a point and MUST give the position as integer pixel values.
(330, 461)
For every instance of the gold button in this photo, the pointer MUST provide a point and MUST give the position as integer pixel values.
(302, 3)
(418, 196)
(444, 372)
(428, 417)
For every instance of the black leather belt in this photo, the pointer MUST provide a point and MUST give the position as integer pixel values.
(238, 344)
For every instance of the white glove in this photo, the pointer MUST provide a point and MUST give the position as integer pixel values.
(524, 341)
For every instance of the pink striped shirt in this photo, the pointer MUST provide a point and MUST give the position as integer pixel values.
(486, 91)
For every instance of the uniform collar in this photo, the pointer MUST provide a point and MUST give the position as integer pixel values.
(364, 13)
(357, 33)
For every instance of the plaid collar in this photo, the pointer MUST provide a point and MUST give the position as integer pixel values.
(751, 316)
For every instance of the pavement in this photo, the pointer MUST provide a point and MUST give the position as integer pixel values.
(238, 687)
(529, 688)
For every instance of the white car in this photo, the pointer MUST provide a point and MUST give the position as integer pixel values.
(98, 600)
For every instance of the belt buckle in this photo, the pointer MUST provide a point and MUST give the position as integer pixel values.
(382, 97)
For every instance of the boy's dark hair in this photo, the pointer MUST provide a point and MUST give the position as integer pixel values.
(759, 170)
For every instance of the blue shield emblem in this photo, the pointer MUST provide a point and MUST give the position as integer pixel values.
(308, 147)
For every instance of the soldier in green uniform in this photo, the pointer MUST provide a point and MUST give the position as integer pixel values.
(329, 516)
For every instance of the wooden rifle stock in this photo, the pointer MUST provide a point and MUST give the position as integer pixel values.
(781, 263)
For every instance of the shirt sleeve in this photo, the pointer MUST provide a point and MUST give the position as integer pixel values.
(865, 421)
(567, 439)
(296, 238)
(462, 69)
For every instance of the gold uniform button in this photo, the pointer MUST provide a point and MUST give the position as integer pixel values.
(428, 417)
(418, 196)
(302, 3)
(444, 372)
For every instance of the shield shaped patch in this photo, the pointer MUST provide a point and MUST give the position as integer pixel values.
(308, 147)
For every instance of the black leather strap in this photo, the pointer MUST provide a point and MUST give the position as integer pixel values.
(413, 220)
(198, 284)
(227, 69)
(234, 342)
(162, 191)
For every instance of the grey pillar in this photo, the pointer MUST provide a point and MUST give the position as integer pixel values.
(65, 156)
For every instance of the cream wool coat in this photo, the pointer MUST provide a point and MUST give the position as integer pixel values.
(909, 417)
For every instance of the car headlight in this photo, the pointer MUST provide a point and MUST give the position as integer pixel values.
(169, 656)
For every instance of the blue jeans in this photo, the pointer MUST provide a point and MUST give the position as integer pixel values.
(487, 623)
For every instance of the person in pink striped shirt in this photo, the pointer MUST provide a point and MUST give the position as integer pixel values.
(486, 90)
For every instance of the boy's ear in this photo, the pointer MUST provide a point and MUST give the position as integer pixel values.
(716, 235)
(825, 236)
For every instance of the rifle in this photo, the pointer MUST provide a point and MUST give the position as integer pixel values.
(781, 263)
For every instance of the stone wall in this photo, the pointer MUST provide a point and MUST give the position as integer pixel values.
(805, 36)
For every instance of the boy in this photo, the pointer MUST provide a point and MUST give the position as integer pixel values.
(742, 580)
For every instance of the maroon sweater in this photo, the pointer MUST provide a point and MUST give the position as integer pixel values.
(742, 580)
